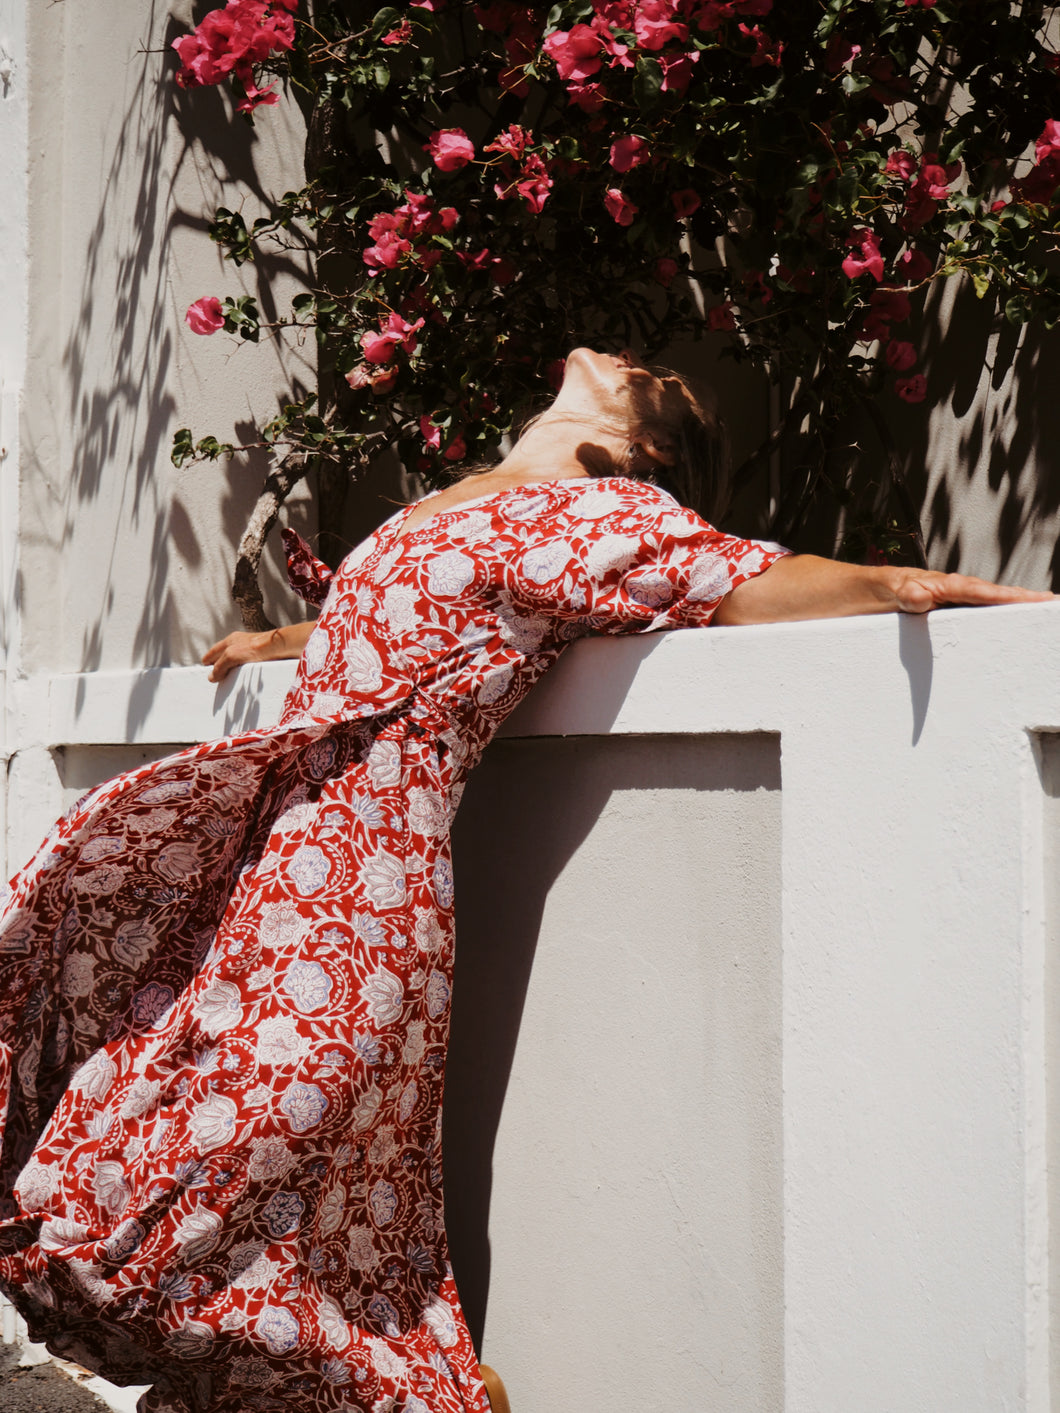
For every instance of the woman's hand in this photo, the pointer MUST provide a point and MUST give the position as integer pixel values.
(805, 586)
(240, 648)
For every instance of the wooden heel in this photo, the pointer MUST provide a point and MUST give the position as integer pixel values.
(495, 1390)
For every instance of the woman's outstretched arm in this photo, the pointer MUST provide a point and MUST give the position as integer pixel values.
(805, 586)
(239, 648)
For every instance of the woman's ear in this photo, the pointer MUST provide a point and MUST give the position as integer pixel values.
(654, 447)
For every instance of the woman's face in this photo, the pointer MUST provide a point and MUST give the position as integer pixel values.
(616, 387)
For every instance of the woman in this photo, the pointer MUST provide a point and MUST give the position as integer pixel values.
(225, 977)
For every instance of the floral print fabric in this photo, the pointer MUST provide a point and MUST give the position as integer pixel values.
(225, 978)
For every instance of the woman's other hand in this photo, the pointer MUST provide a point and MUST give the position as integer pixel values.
(805, 586)
(240, 648)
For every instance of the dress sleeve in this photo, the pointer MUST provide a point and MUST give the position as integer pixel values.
(308, 576)
(653, 565)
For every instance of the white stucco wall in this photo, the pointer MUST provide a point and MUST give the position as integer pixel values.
(801, 1156)
(125, 560)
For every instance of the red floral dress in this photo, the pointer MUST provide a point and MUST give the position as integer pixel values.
(225, 977)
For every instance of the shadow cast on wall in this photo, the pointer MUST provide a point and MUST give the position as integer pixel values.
(527, 811)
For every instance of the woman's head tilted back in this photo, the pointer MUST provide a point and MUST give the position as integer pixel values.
(650, 426)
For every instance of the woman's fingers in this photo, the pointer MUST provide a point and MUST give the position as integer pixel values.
(924, 589)
(230, 652)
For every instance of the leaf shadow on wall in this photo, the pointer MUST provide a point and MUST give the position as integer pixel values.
(981, 452)
(121, 357)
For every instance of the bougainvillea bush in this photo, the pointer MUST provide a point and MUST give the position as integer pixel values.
(490, 183)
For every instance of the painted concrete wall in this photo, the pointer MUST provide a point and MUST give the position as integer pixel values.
(763, 1115)
(123, 559)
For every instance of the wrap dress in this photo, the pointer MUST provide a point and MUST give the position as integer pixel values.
(225, 977)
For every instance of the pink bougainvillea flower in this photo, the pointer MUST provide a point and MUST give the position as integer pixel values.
(914, 266)
(378, 348)
(886, 307)
(1049, 142)
(450, 149)
(379, 382)
(656, 24)
(619, 207)
(901, 164)
(686, 202)
(677, 70)
(840, 52)
(928, 5)
(205, 316)
(911, 389)
(629, 152)
(431, 434)
(456, 450)
(1040, 184)
(575, 52)
(589, 97)
(513, 142)
(722, 318)
(900, 355)
(767, 51)
(386, 253)
(864, 257)
(665, 270)
(535, 183)
(401, 35)
(231, 40)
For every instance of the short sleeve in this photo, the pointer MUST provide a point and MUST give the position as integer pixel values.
(646, 563)
(308, 576)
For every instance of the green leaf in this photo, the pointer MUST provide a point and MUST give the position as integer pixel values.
(183, 447)
(647, 82)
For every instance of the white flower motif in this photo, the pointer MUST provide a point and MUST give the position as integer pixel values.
(364, 666)
(107, 879)
(366, 1108)
(383, 1146)
(494, 686)
(219, 1008)
(304, 1105)
(383, 879)
(103, 846)
(363, 1255)
(415, 1046)
(141, 1095)
(308, 985)
(60, 1233)
(384, 764)
(399, 608)
(595, 502)
(89, 1276)
(309, 868)
(281, 925)
(384, 996)
(385, 1361)
(333, 1323)
(610, 553)
(449, 574)
(251, 1373)
(649, 587)
(77, 975)
(199, 1233)
(213, 1122)
(113, 1193)
(153, 822)
(193, 1340)
(256, 1272)
(315, 652)
(430, 934)
(407, 1104)
(270, 1160)
(41, 1292)
(176, 861)
(524, 634)
(525, 507)
(280, 1042)
(751, 562)
(546, 562)
(709, 579)
(437, 995)
(427, 812)
(474, 525)
(133, 943)
(330, 1212)
(167, 790)
(443, 882)
(383, 1201)
(439, 1318)
(279, 1329)
(124, 1240)
(36, 1183)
